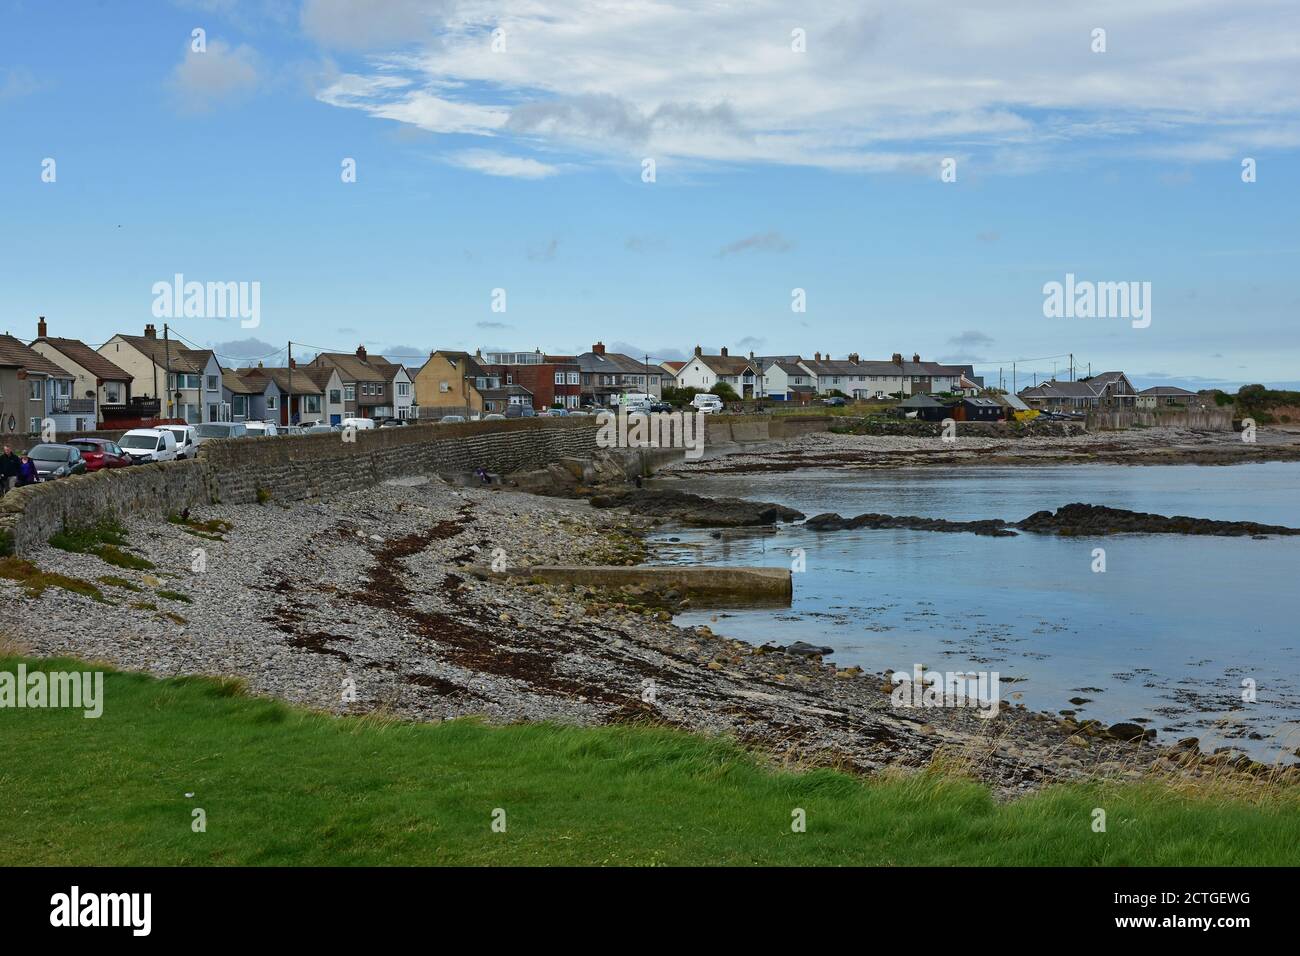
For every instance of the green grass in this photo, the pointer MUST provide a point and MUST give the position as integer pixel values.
(35, 581)
(104, 540)
(281, 785)
(174, 596)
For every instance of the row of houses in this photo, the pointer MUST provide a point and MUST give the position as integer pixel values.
(136, 378)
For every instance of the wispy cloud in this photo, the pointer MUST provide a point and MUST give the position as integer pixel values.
(498, 164)
(762, 242)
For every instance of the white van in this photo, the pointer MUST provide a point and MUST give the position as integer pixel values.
(261, 429)
(360, 424)
(187, 440)
(149, 444)
(707, 402)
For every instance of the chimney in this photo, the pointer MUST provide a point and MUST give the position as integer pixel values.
(897, 358)
(41, 330)
(598, 348)
(723, 351)
(817, 356)
(150, 332)
(698, 350)
(916, 356)
(293, 363)
(853, 357)
(361, 352)
(751, 355)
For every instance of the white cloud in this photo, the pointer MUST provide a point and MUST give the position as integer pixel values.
(17, 81)
(1005, 83)
(221, 74)
(498, 164)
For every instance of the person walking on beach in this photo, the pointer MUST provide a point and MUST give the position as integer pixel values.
(9, 468)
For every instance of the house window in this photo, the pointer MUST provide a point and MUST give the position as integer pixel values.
(35, 426)
(113, 393)
(349, 393)
(270, 403)
(403, 389)
(559, 378)
(240, 405)
(34, 391)
(312, 403)
(64, 388)
(212, 383)
(335, 396)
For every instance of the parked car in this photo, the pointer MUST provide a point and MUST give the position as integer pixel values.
(56, 461)
(320, 429)
(706, 402)
(291, 430)
(494, 417)
(660, 407)
(554, 412)
(520, 411)
(100, 453)
(361, 424)
(149, 444)
(577, 411)
(835, 401)
(187, 440)
(392, 422)
(452, 419)
(213, 430)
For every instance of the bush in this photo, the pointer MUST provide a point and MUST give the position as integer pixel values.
(725, 392)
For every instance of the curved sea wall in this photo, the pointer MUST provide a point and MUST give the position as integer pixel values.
(308, 466)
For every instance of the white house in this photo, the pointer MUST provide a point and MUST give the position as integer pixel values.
(704, 372)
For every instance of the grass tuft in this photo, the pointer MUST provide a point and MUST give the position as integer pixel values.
(37, 581)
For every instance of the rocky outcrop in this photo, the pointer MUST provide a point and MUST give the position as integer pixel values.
(697, 510)
(833, 522)
(1073, 519)
(1091, 520)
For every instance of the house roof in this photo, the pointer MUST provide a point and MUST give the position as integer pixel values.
(168, 354)
(82, 354)
(464, 361)
(320, 374)
(1168, 390)
(286, 380)
(352, 368)
(505, 391)
(982, 402)
(727, 364)
(1053, 388)
(16, 355)
(921, 401)
(243, 385)
(673, 367)
(1011, 401)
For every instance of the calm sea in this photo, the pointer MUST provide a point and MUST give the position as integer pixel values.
(1171, 633)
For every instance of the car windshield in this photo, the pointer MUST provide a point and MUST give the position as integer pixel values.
(214, 431)
(149, 442)
(57, 453)
(86, 447)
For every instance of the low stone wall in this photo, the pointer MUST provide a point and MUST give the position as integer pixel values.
(293, 468)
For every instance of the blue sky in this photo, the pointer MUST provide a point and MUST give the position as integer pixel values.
(521, 169)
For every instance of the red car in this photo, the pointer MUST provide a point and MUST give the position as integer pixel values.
(98, 453)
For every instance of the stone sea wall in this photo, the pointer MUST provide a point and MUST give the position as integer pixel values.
(307, 466)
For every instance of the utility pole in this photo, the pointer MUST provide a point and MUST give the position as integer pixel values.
(167, 349)
(1013, 378)
(1071, 366)
(289, 393)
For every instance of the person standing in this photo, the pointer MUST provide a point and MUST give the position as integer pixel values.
(9, 468)
(26, 471)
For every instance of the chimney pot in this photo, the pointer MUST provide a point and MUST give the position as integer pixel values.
(916, 356)
(41, 331)
(598, 348)
(723, 352)
(897, 358)
(361, 352)
(817, 356)
(150, 332)
(698, 350)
